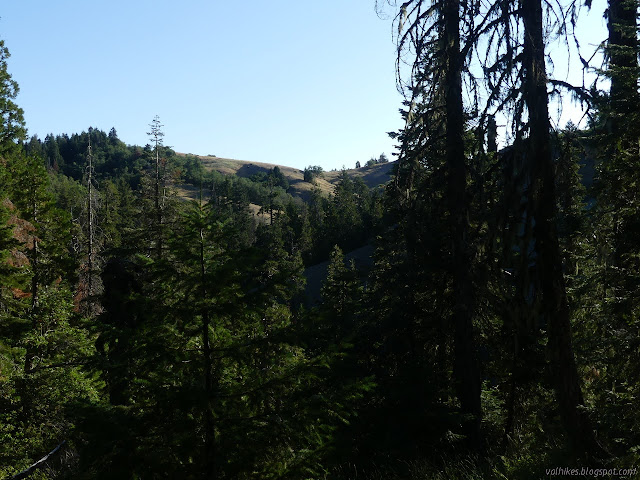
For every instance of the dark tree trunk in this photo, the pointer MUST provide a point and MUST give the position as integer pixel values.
(549, 260)
(466, 369)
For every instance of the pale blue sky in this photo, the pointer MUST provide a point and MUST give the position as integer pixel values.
(283, 81)
(292, 82)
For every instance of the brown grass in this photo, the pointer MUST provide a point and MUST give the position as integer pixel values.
(372, 176)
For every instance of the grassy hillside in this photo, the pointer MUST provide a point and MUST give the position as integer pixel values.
(372, 176)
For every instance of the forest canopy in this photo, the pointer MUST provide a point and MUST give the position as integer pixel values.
(478, 316)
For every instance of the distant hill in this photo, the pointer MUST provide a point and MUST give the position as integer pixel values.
(373, 176)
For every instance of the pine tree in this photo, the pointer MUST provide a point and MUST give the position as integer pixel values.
(12, 127)
(46, 341)
(341, 292)
(610, 282)
(159, 195)
(436, 127)
(90, 278)
(623, 68)
(555, 303)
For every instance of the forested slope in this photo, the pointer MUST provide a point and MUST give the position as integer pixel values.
(493, 334)
(372, 175)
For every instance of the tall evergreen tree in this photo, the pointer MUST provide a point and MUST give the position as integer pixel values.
(45, 341)
(611, 281)
(543, 193)
(622, 53)
(156, 135)
(436, 112)
(12, 127)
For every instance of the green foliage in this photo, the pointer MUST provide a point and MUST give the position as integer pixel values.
(217, 319)
(375, 161)
(112, 158)
(43, 342)
(312, 172)
(12, 128)
(201, 360)
(341, 290)
(279, 180)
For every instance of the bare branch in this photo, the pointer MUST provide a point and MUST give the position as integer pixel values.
(38, 464)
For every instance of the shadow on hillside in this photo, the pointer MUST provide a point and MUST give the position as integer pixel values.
(249, 169)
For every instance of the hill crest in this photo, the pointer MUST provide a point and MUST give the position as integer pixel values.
(372, 176)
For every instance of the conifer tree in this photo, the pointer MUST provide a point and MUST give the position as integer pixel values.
(12, 127)
(45, 339)
(610, 266)
(156, 135)
(341, 292)
(520, 62)
(90, 277)
(436, 126)
(555, 304)
(623, 68)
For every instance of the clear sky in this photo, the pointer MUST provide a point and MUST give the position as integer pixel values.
(590, 32)
(283, 81)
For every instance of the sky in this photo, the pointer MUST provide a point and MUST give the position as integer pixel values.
(291, 82)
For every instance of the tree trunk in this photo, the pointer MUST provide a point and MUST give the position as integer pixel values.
(549, 261)
(466, 368)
